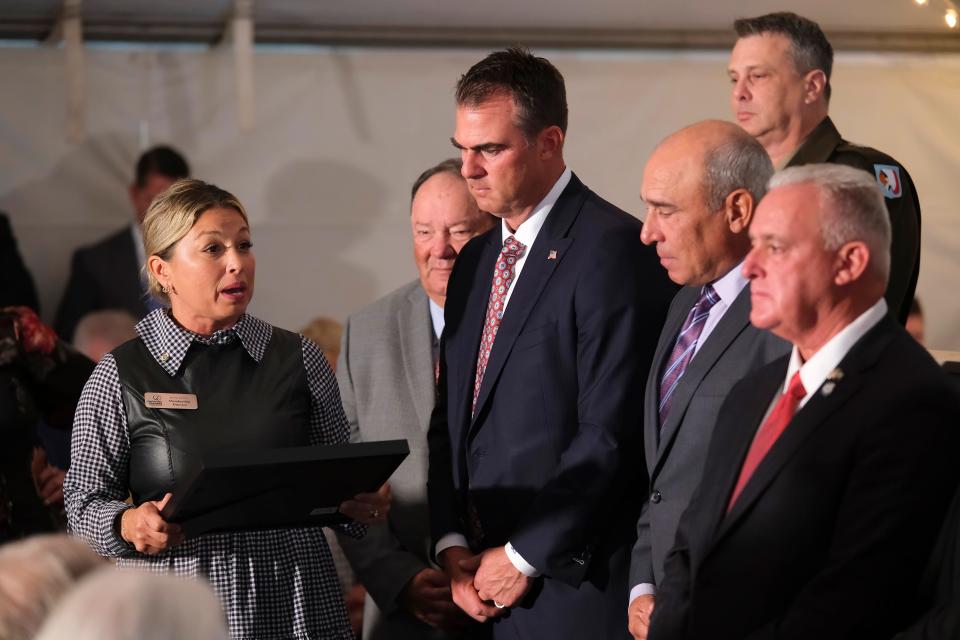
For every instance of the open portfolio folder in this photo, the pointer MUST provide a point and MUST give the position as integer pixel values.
(279, 488)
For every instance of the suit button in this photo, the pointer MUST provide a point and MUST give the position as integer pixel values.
(655, 497)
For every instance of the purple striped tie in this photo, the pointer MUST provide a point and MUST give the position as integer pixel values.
(684, 347)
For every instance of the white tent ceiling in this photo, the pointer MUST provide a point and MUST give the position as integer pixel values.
(879, 24)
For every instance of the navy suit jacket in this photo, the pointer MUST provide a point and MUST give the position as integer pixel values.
(552, 459)
(829, 536)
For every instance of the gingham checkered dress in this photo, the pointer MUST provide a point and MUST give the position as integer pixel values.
(273, 584)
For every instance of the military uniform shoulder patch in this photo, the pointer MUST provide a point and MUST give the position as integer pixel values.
(888, 176)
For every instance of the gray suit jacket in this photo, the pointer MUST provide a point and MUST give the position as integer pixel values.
(386, 377)
(675, 453)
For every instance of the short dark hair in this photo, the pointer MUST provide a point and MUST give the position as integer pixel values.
(535, 85)
(809, 46)
(450, 165)
(161, 160)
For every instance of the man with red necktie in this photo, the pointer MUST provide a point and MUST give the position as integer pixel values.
(830, 470)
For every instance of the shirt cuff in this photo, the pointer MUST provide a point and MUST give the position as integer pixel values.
(451, 540)
(522, 565)
(642, 589)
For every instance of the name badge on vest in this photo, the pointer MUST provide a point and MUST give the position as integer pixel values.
(154, 400)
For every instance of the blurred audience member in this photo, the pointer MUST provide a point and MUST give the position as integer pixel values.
(16, 283)
(100, 332)
(121, 605)
(915, 323)
(34, 574)
(40, 378)
(108, 274)
(325, 333)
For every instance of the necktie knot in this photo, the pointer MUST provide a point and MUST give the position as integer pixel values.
(708, 298)
(513, 248)
(795, 389)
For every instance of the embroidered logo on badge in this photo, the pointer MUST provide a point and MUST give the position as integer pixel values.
(889, 178)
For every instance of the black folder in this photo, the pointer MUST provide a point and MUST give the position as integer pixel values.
(279, 488)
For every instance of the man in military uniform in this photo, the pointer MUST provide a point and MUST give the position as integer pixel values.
(780, 72)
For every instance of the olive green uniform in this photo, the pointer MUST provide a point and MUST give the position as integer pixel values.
(824, 144)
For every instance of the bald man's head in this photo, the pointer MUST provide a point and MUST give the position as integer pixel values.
(701, 186)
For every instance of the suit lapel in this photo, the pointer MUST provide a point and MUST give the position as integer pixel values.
(811, 417)
(743, 421)
(679, 309)
(537, 269)
(416, 349)
(732, 324)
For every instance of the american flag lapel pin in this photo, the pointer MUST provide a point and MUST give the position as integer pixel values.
(552, 255)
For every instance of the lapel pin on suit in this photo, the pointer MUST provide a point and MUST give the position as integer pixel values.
(552, 255)
(833, 378)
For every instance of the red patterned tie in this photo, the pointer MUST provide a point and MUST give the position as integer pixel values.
(502, 279)
(768, 433)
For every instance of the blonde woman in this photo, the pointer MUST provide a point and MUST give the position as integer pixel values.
(256, 386)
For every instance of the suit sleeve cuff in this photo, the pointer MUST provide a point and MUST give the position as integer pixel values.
(642, 589)
(451, 540)
(522, 565)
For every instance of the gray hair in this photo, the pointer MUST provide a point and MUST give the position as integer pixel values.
(115, 604)
(853, 208)
(739, 163)
(100, 332)
(34, 574)
(450, 166)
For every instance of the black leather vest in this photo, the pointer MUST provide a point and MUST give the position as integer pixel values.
(241, 404)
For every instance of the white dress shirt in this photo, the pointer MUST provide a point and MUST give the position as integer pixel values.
(436, 318)
(728, 288)
(815, 371)
(526, 234)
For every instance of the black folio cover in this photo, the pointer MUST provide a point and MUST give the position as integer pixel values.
(279, 488)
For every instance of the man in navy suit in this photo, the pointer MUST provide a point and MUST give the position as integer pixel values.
(551, 321)
(831, 469)
(108, 274)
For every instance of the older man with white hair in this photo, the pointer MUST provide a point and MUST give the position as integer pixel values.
(830, 469)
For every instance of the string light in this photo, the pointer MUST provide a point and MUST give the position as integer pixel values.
(950, 17)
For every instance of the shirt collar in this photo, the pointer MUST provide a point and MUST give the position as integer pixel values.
(815, 371)
(527, 232)
(168, 342)
(436, 317)
(731, 284)
(137, 234)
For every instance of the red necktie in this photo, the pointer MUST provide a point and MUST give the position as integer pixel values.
(512, 251)
(768, 433)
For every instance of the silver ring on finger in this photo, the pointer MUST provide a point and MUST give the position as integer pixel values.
(499, 605)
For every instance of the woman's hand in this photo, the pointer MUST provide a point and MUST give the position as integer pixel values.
(369, 508)
(145, 528)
